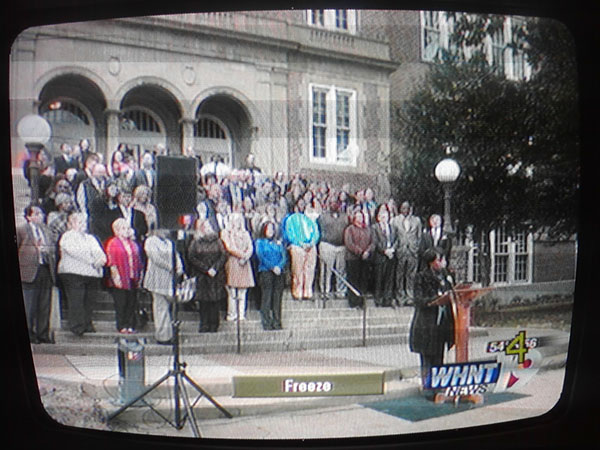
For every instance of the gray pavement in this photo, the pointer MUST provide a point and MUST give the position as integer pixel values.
(308, 417)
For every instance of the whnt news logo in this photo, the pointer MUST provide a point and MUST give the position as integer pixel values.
(456, 377)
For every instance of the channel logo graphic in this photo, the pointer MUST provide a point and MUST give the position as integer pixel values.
(513, 374)
(464, 378)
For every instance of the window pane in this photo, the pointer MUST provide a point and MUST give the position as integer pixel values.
(319, 142)
(318, 17)
(498, 51)
(431, 34)
(501, 268)
(521, 267)
(343, 110)
(319, 107)
(341, 19)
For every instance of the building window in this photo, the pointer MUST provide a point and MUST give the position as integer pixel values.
(501, 255)
(497, 52)
(519, 67)
(431, 34)
(332, 125)
(319, 123)
(521, 251)
(64, 113)
(137, 119)
(341, 19)
(317, 17)
(333, 19)
(512, 257)
(208, 128)
(502, 55)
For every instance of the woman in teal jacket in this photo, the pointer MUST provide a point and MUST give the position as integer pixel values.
(301, 234)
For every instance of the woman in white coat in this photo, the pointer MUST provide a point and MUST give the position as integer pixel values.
(80, 270)
(160, 279)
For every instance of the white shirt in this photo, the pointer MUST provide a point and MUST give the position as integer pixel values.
(436, 233)
(80, 254)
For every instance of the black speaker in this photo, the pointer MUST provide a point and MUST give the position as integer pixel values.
(176, 189)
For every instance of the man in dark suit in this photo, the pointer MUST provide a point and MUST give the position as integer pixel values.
(146, 176)
(86, 172)
(37, 267)
(384, 238)
(434, 236)
(135, 218)
(66, 160)
(408, 229)
(91, 189)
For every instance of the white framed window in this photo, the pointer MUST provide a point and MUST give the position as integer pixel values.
(333, 125)
(518, 68)
(512, 257)
(434, 34)
(497, 48)
(436, 28)
(333, 19)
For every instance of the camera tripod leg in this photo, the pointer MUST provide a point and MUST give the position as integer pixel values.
(207, 395)
(188, 408)
(139, 397)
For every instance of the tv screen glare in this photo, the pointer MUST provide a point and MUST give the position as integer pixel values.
(298, 227)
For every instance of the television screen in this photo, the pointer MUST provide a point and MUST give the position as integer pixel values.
(298, 226)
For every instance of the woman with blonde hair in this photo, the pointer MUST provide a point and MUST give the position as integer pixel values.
(141, 202)
(124, 260)
(238, 270)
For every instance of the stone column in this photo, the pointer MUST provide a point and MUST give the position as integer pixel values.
(112, 132)
(187, 133)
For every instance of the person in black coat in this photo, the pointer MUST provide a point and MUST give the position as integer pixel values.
(103, 212)
(432, 327)
(207, 257)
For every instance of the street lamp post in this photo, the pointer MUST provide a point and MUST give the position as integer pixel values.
(35, 132)
(447, 172)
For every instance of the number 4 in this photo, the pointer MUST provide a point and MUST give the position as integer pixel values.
(517, 347)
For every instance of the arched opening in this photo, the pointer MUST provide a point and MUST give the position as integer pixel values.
(74, 106)
(150, 117)
(222, 128)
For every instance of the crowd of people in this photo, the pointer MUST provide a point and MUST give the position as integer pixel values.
(96, 228)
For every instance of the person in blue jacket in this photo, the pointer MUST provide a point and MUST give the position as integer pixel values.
(272, 259)
(301, 235)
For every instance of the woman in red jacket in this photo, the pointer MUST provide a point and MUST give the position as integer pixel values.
(124, 260)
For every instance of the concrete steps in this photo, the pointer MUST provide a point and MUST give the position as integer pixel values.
(306, 325)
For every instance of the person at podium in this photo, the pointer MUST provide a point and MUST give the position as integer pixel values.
(432, 326)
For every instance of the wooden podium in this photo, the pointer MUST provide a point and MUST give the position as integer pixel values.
(460, 299)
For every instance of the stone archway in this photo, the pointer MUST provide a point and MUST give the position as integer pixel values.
(231, 115)
(74, 106)
(150, 116)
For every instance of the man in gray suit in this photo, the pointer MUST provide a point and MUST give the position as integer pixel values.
(37, 265)
(160, 279)
(408, 238)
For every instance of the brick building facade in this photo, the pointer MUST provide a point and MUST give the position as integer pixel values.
(304, 94)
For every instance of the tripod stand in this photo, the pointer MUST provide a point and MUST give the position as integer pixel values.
(179, 390)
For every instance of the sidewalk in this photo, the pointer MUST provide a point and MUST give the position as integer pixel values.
(215, 372)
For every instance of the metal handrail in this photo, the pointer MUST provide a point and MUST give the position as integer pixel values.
(364, 303)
